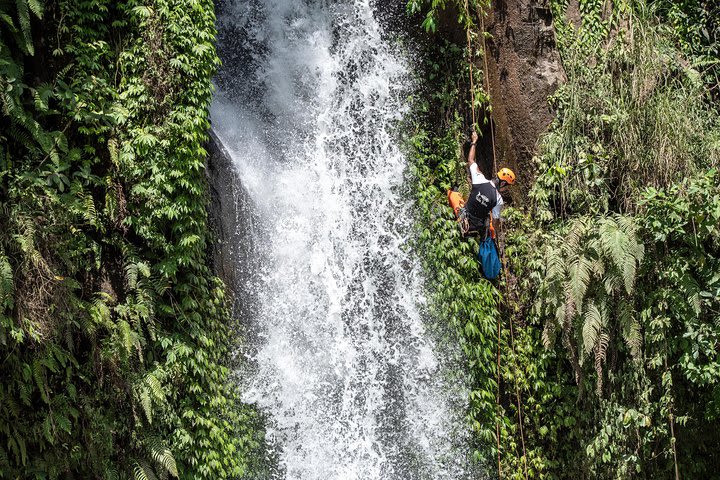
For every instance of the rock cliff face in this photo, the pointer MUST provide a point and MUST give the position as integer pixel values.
(223, 213)
(524, 70)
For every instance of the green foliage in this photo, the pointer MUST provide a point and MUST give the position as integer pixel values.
(659, 359)
(626, 176)
(442, 97)
(590, 271)
(459, 293)
(681, 310)
(472, 305)
(434, 8)
(112, 327)
(609, 318)
(632, 113)
(696, 29)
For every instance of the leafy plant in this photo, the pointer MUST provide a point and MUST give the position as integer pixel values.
(590, 274)
(599, 358)
(113, 331)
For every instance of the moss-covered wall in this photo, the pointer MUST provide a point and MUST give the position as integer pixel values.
(113, 328)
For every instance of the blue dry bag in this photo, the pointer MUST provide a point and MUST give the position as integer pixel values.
(489, 259)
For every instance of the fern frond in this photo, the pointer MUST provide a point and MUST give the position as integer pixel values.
(11, 406)
(113, 150)
(579, 272)
(629, 272)
(131, 275)
(626, 224)
(159, 284)
(17, 446)
(600, 358)
(111, 474)
(40, 102)
(36, 7)
(89, 210)
(634, 339)
(143, 269)
(554, 264)
(146, 404)
(38, 372)
(612, 242)
(10, 24)
(20, 135)
(597, 268)
(62, 421)
(99, 312)
(23, 14)
(139, 472)
(619, 243)
(162, 456)
(6, 282)
(149, 472)
(128, 338)
(592, 326)
(26, 390)
(573, 241)
(168, 461)
(634, 247)
(611, 282)
(155, 387)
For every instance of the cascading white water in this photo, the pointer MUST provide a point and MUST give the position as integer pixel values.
(309, 99)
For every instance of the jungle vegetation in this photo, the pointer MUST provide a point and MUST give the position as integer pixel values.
(597, 355)
(113, 329)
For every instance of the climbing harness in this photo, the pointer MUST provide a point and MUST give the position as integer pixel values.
(458, 205)
(464, 218)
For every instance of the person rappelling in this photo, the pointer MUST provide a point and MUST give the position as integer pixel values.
(479, 215)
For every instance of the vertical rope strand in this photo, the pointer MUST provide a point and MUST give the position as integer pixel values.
(474, 119)
(486, 79)
(481, 14)
(497, 401)
(470, 63)
(519, 403)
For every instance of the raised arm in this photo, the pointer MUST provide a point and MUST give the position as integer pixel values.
(471, 153)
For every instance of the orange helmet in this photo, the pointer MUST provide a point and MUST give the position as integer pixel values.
(506, 175)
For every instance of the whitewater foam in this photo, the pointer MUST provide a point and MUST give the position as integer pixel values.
(342, 362)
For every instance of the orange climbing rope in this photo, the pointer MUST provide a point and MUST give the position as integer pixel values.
(501, 239)
(472, 81)
(487, 86)
(474, 124)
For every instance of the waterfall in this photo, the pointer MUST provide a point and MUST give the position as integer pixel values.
(342, 354)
